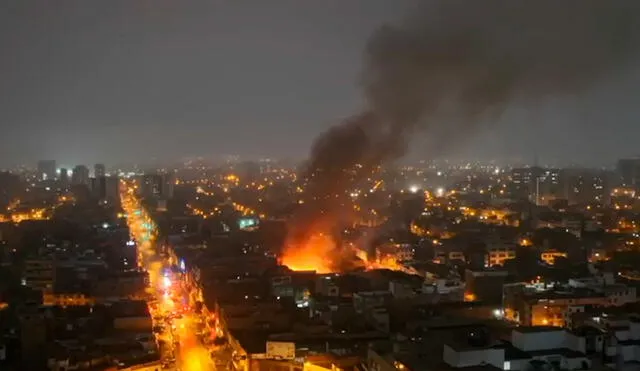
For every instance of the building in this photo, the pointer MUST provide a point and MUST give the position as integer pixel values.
(547, 304)
(445, 253)
(80, 175)
(542, 186)
(549, 186)
(157, 186)
(584, 186)
(447, 288)
(121, 285)
(64, 178)
(10, 187)
(613, 337)
(529, 348)
(46, 169)
(131, 315)
(485, 285)
(498, 254)
(296, 285)
(169, 183)
(33, 335)
(39, 274)
(99, 170)
(366, 301)
(525, 182)
(152, 186)
(618, 294)
(628, 170)
(106, 188)
(423, 347)
(549, 256)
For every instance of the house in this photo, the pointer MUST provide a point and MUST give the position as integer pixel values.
(614, 337)
(131, 315)
(529, 346)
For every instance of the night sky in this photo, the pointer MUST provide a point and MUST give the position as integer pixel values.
(114, 81)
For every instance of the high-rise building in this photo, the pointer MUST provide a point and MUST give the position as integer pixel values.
(525, 182)
(99, 170)
(80, 175)
(157, 186)
(106, 188)
(169, 182)
(150, 185)
(629, 171)
(64, 177)
(538, 185)
(46, 169)
(549, 186)
(587, 186)
(10, 187)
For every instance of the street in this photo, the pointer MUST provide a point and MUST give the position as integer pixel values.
(175, 324)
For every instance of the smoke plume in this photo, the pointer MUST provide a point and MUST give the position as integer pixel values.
(462, 62)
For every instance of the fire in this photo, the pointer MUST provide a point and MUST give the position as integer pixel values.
(319, 254)
(312, 255)
(195, 358)
(382, 261)
(386, 262)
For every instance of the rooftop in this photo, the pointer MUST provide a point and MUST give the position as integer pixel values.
(253, 342)
(534, 329)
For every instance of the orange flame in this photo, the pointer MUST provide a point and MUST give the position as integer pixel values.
(312, 255)
(319, 254)
(383, 261)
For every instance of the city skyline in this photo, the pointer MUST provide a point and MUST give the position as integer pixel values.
(365, 185)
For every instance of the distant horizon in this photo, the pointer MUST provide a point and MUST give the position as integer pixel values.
(222, 160)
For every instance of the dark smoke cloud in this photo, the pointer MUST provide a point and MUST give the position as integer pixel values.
(463, 62)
